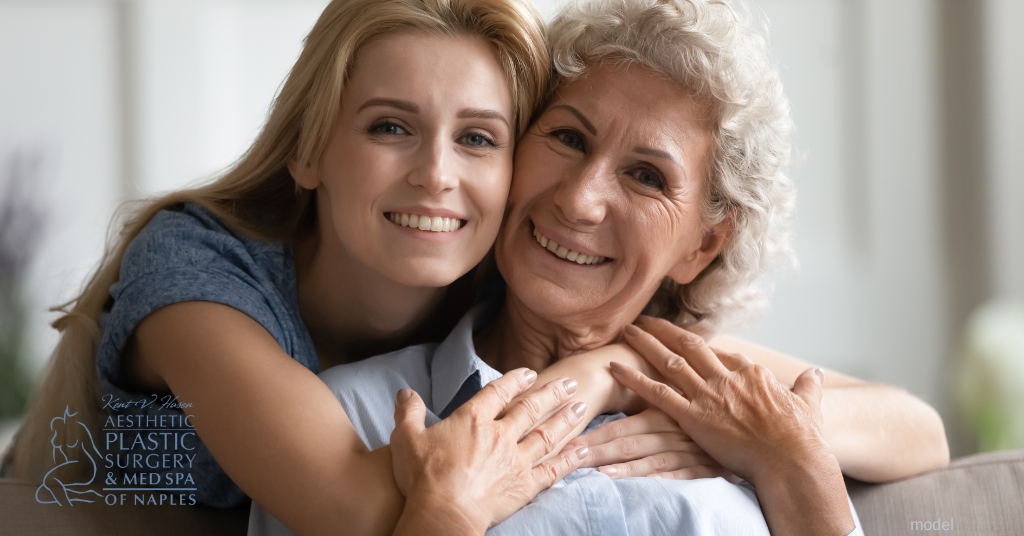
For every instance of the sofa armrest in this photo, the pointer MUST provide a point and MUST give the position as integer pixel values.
(980, 494)
(21, 514)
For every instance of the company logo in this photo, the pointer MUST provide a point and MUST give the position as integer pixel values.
(59, 484)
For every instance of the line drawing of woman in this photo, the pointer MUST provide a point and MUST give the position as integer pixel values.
(64, 455)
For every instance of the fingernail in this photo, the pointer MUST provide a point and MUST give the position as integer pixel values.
(632, 330)
(578, 409)
(617, 367)
(655, 475)
(404, 394)
(529, 376)
(609, 470)
(570, 385)
(820, 373)
(581, 453)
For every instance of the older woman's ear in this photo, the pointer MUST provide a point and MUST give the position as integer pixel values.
(693, 262)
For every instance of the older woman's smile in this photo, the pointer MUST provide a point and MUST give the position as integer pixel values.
(576, 254)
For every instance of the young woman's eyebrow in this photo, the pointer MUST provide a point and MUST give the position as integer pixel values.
(482, 113)
(391, 103)
(579, 115)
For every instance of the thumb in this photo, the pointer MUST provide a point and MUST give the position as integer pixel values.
(410, 412)
(808, 386)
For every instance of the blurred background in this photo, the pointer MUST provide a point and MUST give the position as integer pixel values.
(910, 131)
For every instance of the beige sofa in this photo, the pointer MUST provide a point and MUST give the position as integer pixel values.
(981, 495)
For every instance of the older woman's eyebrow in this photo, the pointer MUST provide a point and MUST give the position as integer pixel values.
(481, 113)
(655, 152)
(579, 115)
(407, 106)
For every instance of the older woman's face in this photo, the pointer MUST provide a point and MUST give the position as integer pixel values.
(606, 194)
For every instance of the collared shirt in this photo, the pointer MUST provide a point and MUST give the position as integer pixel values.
(585, 503)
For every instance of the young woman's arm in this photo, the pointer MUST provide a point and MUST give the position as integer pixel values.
(278, 431)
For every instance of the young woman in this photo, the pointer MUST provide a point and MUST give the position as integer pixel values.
(379, 179)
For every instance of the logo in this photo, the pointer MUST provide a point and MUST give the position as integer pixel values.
(59, 485)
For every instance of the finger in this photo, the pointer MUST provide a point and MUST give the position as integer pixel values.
(527, 412)
(699, 471)
(496, 395)
(547, 473)
(657, 461)
(649, 421)
(808, 386)
(410, 412)
(687, 344)
(674, 368)
(732, 361)
(543, 439)
(657, 393)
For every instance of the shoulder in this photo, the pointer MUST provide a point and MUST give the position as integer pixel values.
(188, 236)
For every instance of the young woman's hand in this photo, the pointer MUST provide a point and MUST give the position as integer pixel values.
(649, 443)
(482, 463)
(749, 423)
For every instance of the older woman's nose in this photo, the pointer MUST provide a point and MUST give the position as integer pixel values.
(435, 167)
(583, 195)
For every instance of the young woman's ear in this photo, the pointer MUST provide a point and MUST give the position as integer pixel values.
(305, 176)
(695, 261)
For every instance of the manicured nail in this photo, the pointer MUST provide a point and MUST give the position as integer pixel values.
(821, 374)
(609, 470)
(529, 376)
(581, 453)
(570, 385)
(579, 408)
(404, 394)
(617, 367)
(655, 475)
(632, 330)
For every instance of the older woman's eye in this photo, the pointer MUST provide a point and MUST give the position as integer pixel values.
(477, 139)
(649, 177)
(388, 128)
(571, 139)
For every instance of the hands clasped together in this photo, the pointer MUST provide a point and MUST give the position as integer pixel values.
(714, 414)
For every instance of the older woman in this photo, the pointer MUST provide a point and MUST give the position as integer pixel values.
(653, 180)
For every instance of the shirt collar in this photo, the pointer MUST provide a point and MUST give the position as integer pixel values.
(455, 360)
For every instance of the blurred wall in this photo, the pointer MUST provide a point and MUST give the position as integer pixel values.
(126, 98)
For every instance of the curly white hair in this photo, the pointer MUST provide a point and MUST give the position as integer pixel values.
(716, 54)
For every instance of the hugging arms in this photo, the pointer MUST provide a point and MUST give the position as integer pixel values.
(381, 178)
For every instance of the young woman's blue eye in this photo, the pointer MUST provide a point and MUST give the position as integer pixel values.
(649, 177)
(476, 139)
(571, 139)
(388, 129)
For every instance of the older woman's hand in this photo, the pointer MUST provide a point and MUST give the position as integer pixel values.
(749, 423)
(483, 462)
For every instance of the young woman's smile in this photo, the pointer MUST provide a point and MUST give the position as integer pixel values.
(415, 175)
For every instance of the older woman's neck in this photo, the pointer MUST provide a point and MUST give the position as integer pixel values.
(518, 337)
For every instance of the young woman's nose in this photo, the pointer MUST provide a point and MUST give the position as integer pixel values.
(435, 166)
(582, 195)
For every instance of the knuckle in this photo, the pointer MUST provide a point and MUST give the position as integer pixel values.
(691, 341)
(658, 462)
(546, 438)
(530, 408)
(662, 391)
(674, 363)
(499, 390)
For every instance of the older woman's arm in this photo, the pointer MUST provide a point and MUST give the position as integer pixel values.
(877, 432)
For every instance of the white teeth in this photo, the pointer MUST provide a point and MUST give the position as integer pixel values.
(565, 253)
(426, 223)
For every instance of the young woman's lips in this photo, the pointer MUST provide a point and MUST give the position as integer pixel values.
(426, 223)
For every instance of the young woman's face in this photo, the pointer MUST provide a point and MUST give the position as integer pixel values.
(415, 175)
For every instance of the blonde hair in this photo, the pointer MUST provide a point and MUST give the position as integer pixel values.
(258, 195)
(725, 64)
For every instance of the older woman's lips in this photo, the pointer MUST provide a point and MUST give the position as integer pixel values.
(563, 252)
